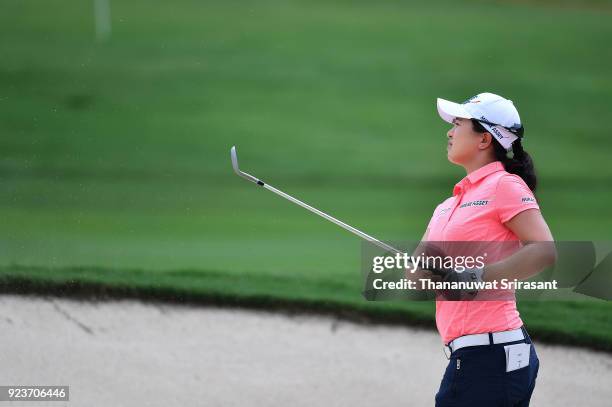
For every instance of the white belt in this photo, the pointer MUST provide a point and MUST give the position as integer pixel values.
(483, 339)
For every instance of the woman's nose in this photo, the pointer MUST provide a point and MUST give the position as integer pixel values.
(450, 133)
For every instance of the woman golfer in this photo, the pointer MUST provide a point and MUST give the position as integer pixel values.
(492, 360)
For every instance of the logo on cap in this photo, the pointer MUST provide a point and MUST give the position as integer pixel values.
(499, 135)
(471, 100)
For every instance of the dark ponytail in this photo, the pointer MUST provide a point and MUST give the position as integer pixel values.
(520, 163)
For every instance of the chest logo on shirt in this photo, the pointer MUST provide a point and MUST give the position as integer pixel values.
(481, 202)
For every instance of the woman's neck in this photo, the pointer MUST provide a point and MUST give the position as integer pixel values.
(477, 163)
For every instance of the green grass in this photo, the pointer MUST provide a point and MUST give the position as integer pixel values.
(547, 321)
(116, 154)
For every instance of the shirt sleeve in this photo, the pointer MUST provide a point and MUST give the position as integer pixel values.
(512, 197)
(433, 216)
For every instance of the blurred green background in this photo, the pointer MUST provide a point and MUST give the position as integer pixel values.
(116, 153)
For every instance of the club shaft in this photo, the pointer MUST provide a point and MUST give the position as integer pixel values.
(255, 180)
(343, 225)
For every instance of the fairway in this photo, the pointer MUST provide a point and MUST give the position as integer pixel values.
(114, 156)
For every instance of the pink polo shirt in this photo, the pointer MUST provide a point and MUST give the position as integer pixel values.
(481, 203)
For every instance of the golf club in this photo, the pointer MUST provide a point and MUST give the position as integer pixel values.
(343, 225)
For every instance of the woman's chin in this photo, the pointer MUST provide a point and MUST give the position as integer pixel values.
(451, 158)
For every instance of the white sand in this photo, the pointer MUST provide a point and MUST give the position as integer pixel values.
(125, 353)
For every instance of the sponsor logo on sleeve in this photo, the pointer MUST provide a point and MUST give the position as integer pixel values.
(528, 199)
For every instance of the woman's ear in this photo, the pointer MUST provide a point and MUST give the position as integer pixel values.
(485, 141)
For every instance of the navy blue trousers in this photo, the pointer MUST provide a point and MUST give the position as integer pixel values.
(476, 376)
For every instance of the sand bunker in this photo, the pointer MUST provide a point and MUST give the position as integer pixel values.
(126, 353)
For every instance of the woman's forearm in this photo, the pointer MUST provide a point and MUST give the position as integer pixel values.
(524, 263)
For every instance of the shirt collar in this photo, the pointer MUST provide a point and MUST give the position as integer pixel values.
(477, 175)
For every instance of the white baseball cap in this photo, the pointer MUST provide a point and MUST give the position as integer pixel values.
(496, 114)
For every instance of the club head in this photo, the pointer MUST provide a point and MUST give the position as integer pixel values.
(243, 174)
(235, 160)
